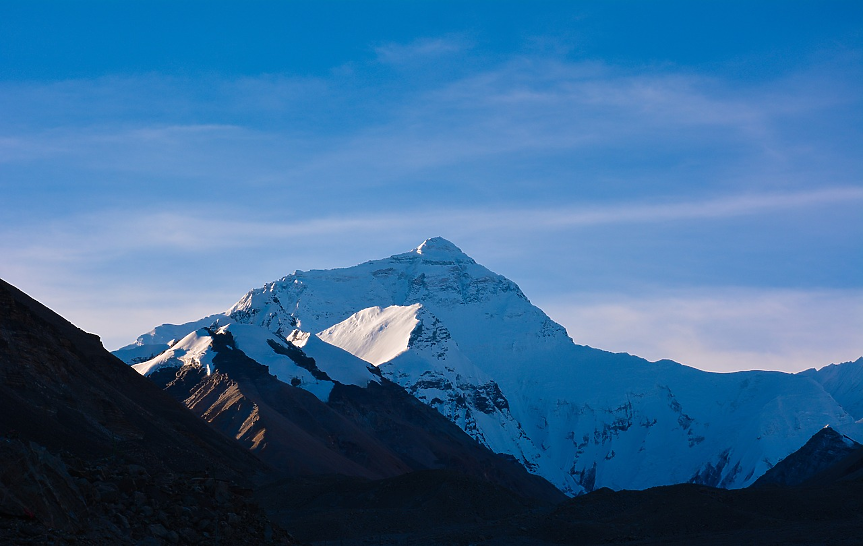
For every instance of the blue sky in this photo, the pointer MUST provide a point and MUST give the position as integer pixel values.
(670, 179)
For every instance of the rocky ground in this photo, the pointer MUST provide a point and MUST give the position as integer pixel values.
(442, 508)
(51, 499)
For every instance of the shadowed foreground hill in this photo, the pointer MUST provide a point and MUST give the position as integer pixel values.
(436, 508)
(61, 389)
(692, 514)
(92, 452)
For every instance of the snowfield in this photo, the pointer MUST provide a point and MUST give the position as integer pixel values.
(376, 335)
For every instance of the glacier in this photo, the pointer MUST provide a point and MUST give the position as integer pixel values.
(468, 342)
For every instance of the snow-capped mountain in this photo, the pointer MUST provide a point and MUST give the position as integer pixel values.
(843, 382)
(196, 349)
(469, 343)
(412, 347)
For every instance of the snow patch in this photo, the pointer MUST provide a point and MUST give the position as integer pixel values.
(339, 364)
(193, 350)
(375, 335)
(255, 342)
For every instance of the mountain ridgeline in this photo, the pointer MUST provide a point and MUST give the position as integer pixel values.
(370, 348)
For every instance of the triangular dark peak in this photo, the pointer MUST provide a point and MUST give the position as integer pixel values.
(816, 461)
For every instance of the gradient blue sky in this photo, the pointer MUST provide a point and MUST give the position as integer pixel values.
(670, 179)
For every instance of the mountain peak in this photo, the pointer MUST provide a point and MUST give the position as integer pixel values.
(826, 449)
(438, 248)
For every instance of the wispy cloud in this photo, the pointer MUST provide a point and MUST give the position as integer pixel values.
(721, 328)
(82, 237)
(569, 126)
(422, 49)
(722, 207)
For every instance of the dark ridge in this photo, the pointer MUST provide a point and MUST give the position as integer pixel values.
(376, 432)
(820, 460)
(302, 360)
(441, 507)
(425, 439)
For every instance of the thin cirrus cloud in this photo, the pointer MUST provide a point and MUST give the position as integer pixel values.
(519, 115)
(721, 329)
(571, 90)
(420, 50)
(81, 238)
(724, 207)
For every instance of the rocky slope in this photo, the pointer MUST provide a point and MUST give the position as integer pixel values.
(91, 453)
(58, 499)
(371, 430)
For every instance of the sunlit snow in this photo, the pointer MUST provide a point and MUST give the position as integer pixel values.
(376, 335)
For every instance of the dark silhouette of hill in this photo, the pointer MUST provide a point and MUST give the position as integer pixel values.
(694, 514)
(92, 453)
(435, 508)
(61, 389)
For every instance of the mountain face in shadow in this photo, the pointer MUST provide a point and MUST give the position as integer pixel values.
(374, 432)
